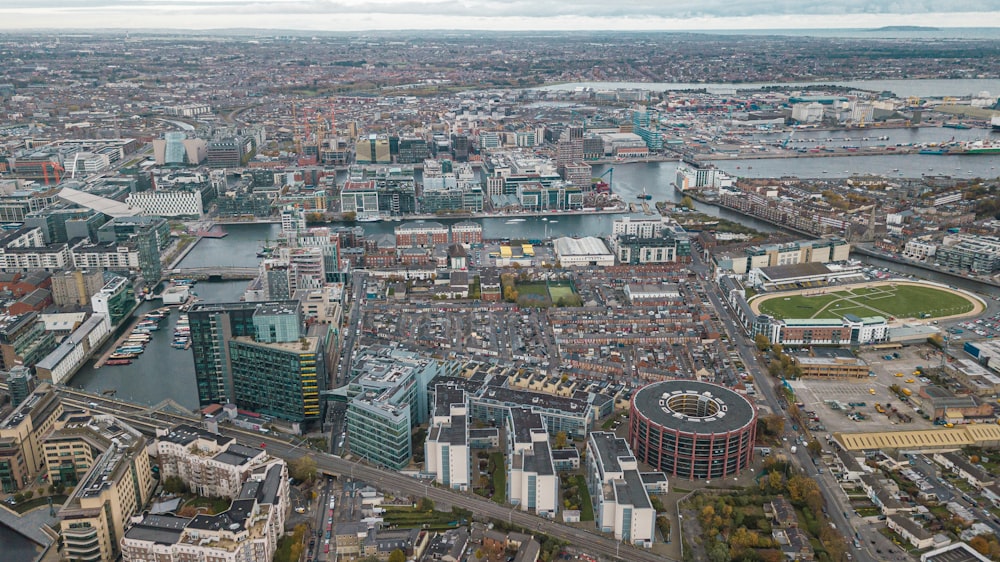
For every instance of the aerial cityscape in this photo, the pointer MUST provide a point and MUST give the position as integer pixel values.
(525, 290)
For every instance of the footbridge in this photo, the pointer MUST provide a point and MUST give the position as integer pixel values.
(222, 273)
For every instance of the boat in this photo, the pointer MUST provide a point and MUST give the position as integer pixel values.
(122, 356)
(116, 362)
(513, 221)
(935, 151)
(370, 218)
(644, 196)
(956, 126)
(982, 147)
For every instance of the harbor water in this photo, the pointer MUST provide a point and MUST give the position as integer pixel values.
(164, 372)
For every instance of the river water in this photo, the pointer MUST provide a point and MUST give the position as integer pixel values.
(163, 372)
(902, 88)
(16, 548)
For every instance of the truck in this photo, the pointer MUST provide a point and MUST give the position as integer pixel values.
(794, 449)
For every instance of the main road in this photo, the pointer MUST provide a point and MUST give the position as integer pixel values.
(837, 513)
(587, 541)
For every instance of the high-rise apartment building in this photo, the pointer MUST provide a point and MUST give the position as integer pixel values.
(257, 356)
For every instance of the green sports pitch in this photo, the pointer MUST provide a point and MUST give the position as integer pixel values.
(893, 300)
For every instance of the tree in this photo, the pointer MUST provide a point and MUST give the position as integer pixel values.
(762, 342)
(981, 545)
(397, 556)
(560, 440)
(425, 504)
(350, 216)
(815, 448)
(706, 515)
(774, 424)
(174, 485)
(687, 202)
(303, 468)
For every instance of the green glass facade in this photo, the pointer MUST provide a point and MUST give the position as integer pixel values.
(380, 433)
(255, 356)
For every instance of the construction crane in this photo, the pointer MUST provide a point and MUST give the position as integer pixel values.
(610, 172)
(788, 139)
(57, 170)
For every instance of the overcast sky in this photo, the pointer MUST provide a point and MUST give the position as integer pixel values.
(353, 15)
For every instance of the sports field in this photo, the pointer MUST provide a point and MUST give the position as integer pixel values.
(892, 299)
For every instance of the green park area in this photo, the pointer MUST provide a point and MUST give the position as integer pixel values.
(891, 300)
(541, 294)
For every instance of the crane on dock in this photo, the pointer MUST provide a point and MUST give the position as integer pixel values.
(610, 172)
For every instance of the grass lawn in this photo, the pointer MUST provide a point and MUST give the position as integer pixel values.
(559, 291)
(214, 505)
(28, 505)
(532, 289)
(901, 301)
(582, 496)
(499, 478)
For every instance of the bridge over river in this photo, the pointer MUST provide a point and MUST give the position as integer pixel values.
(213, 273)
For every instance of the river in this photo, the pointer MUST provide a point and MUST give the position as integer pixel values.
(163, 372)
(901, 88)
(16, 548)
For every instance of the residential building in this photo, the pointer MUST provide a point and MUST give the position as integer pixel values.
(118, 483)
(467, 233)
(978, 254)
(446, 452)
(617, 490)
(911, 531)
(422, 234)
(75, 287)
(532, 482)
(115, 301)
(257, 356)
(21, 454)
(23, 340)
(210, 464)
(248, 530)
(147, 235)
(74, 350)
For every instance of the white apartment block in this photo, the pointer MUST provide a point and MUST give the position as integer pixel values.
(175, 203)
(211, 465)
(532, 483)
(618, 491)
(446, 451)
(248, 531)
(643, 228)
(105, 255)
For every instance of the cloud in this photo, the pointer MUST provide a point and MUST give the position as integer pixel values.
(337, 15)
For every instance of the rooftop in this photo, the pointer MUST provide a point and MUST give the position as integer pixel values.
(694, 406)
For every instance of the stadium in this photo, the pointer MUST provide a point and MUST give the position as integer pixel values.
(692, 429)
(890, 300)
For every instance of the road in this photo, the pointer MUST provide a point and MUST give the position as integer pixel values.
(833, 495)
(586, 540)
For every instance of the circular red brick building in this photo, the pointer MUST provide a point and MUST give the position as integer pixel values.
(692, 429)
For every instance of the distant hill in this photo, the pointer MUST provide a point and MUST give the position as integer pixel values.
(906, 28)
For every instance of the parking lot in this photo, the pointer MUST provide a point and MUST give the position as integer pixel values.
(817, 395)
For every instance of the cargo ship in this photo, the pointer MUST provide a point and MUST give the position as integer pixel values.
(982, 147)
